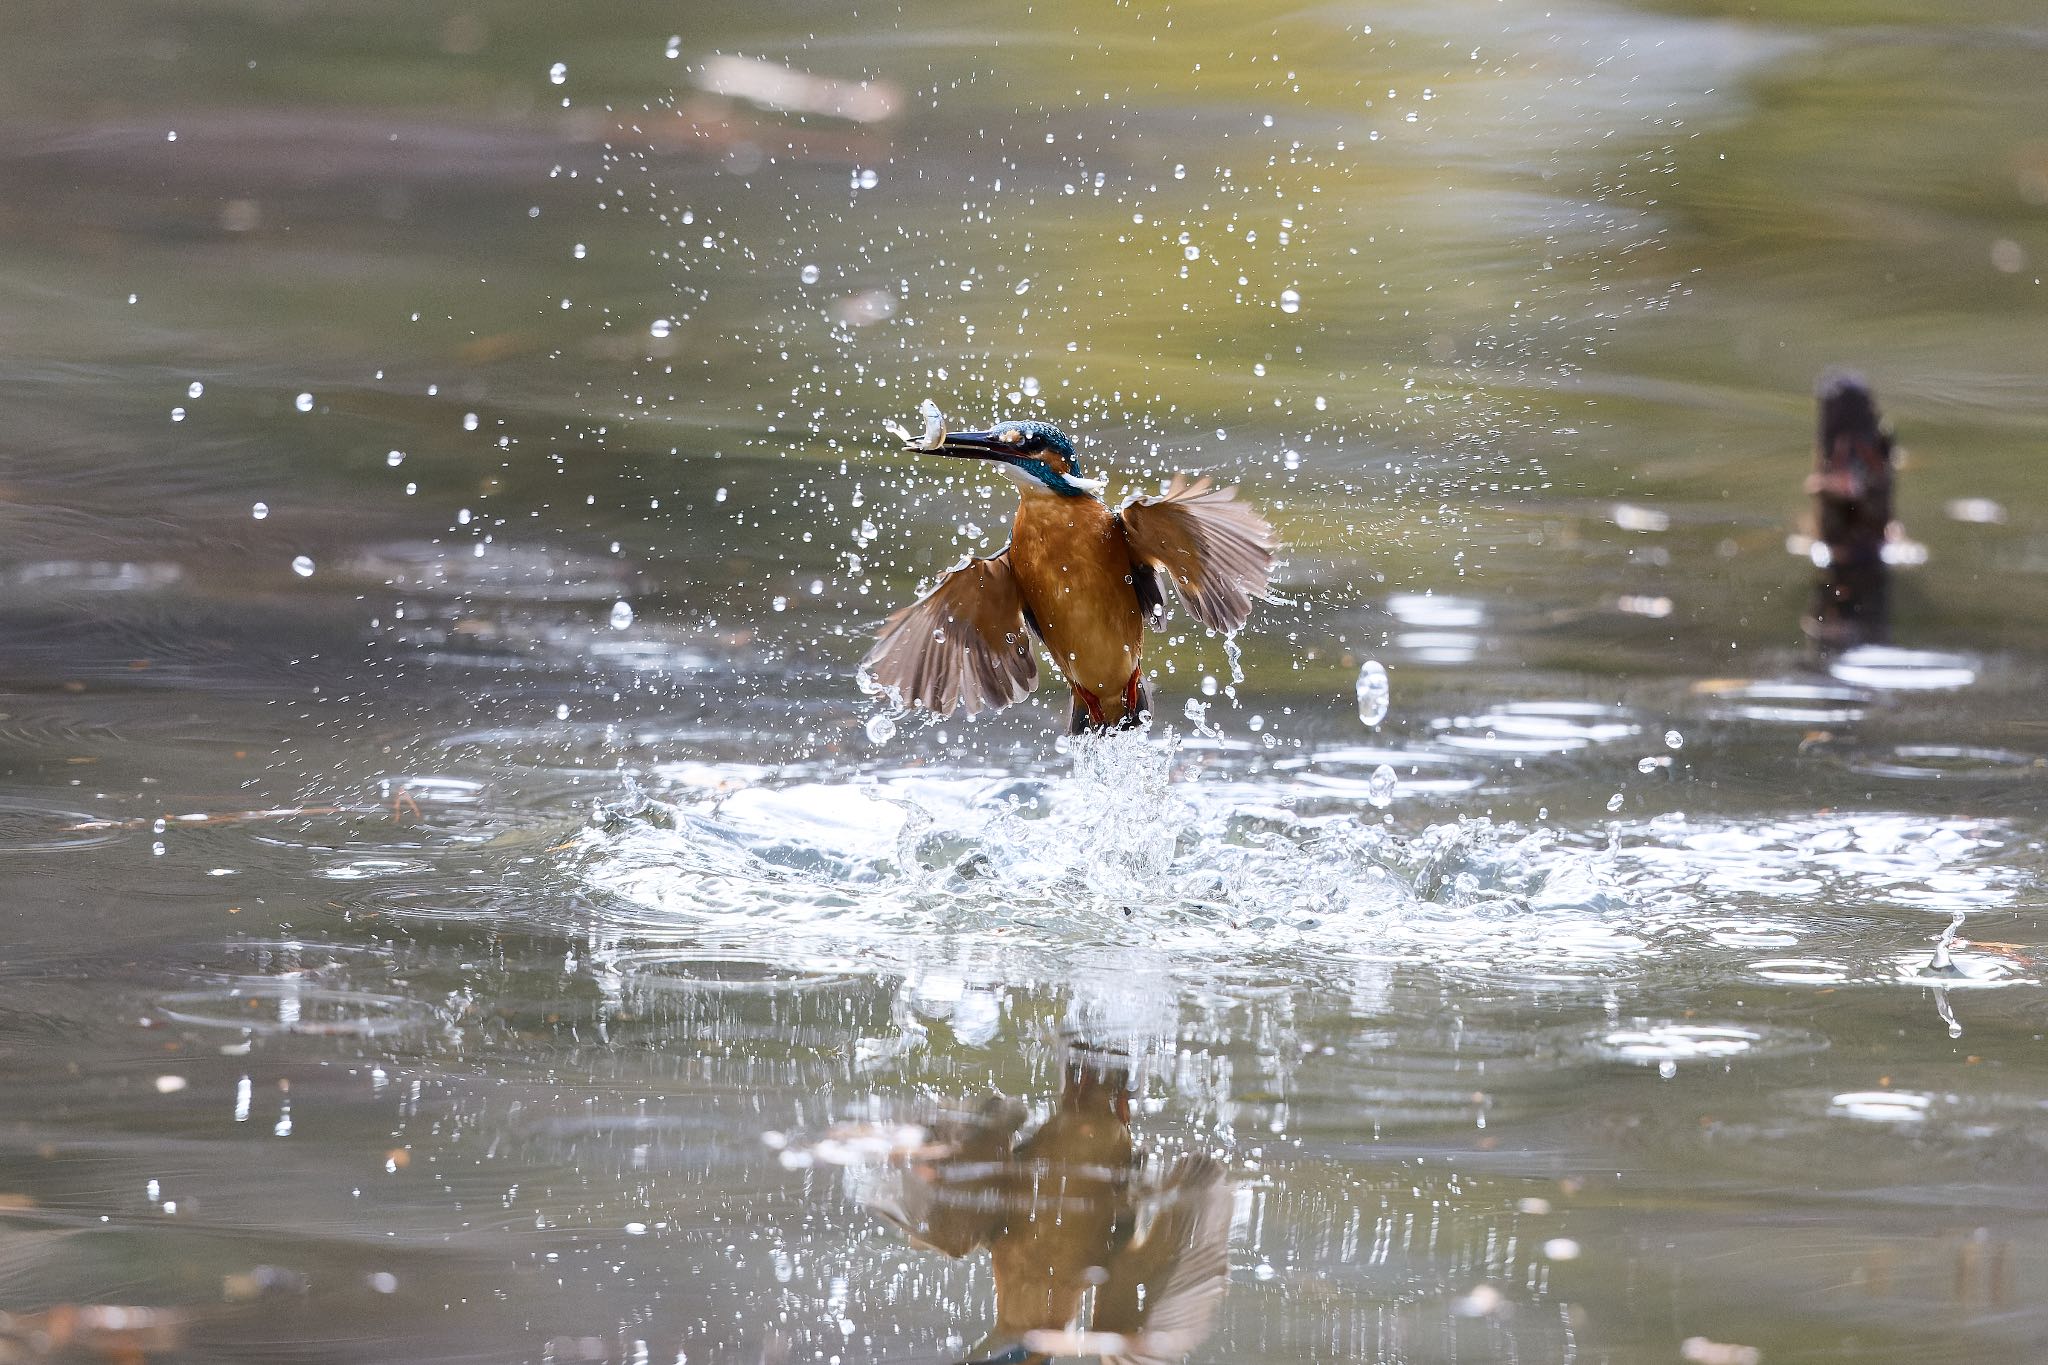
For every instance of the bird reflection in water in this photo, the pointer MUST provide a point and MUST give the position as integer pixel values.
(1072, 1208)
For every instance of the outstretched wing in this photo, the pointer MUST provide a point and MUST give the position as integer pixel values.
(953, 1195)
(962, 646)
(1217, 552)
(1164, 1284)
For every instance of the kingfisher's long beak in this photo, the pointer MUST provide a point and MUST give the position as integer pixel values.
(977, 445)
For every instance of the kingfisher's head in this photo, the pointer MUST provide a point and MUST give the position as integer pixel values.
(1038, 455)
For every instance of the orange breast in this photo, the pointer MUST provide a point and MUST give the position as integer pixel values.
(1074, 570)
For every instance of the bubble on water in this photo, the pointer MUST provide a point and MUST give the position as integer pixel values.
(304, 402)
(1673, 740)
(260, 510)
(1614, 801)
(194, 389)
(659, 327)
(1290, 301)
(558, 73)
(1379, 789)
(1373, 693)
(809, 274)
(303, 566)
(881, 729)
(622, 615)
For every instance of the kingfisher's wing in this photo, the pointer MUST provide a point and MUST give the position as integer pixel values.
(1164, 1284)
(962, 646)
(1217, 552)
(954, 1196)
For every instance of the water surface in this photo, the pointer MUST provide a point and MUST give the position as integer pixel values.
(448, 866)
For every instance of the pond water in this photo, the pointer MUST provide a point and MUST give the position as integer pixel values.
(457, 906)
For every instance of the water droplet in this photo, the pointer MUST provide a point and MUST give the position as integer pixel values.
(558, 73)
(394, 458)
(1180, 172)
(303, 566)
(260, 510)
(1029, 384)
(177, 414)
(304, 402)
(194, 389)
(1673, 740)
(1373, 693)
(809, 274)
(780, 604)
(1290, 301)
(1647, 765)
(659, 327)
(580, 251)
(622, 615)
(562, 711)
(469, 421)
(1193, 253)
(1379, 789)
(1614, 801)
(881, 729)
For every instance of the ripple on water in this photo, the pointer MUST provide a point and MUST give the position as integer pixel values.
(708, 972)
(1892, 669)
(1801, 971)
(1536, 728)
(27, 826)
(1784, 702)
(1950, 762)
(290, 1005)
(1882, 1106)
(1663, 1043)
(1347, 772)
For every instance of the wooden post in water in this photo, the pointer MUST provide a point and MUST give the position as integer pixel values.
(1852, 486)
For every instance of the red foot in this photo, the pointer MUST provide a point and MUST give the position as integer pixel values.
(1093, 703)
(1131, 696)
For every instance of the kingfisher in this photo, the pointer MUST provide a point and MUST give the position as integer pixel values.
(1068, 1208)
(1078, 577)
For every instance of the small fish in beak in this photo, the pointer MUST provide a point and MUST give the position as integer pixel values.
(934, 428)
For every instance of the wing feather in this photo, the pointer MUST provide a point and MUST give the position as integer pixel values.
(1217, 552)
(962, 646)
(1164, 1285)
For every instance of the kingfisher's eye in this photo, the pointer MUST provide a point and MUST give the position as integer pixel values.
(1010, 436)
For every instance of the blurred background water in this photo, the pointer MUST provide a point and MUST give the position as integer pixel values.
(441, 507)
